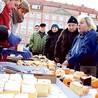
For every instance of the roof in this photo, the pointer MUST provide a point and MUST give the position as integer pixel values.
(81, 8)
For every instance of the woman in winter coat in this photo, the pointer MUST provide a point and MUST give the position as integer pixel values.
(84, 46)
(51, 39)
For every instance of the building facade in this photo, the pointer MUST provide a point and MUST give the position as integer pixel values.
(46, 14)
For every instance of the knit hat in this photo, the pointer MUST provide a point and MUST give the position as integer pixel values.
(72, 19)
(55, 25)
(3, 33)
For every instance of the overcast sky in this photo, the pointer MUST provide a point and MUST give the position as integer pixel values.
(87, 3)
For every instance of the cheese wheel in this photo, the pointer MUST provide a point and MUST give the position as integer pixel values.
(67, 81)
(96, 95)
(94, 83)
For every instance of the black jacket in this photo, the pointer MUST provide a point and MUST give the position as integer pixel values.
(64, 43)
(50, 43)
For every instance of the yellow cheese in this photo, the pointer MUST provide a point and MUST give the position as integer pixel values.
(46, 81)
(42, 88)
(78, 88)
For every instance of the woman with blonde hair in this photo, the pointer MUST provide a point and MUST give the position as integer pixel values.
(84, 46)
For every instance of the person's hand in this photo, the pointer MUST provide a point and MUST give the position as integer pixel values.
(65, 64)
(26, 54)
(13, 39)
(67, 56)
(57, 59)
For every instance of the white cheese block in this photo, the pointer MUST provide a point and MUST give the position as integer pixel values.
(2, 83)
(21, 95)
(29, 79)
(4, 77)
(15, 77)
(30, 89)
(6, 95)
(12, 87)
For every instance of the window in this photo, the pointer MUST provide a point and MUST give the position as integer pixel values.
(37, 23)
(60, 24)
(60, 18)
(30, 26)
(38, 15)
(46, 16)
(23, 26)
(31, 14)
(53, 17)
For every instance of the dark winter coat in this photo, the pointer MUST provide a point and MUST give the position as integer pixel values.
(64, 43)
(50, 44)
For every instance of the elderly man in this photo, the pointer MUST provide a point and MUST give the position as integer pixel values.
(65, 40)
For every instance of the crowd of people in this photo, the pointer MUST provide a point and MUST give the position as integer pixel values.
(74, 46)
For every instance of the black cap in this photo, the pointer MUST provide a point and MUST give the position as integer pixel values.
(3, 33)
(42, 25)
(72, 19)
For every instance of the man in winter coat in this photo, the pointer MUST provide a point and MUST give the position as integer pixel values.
(37, 40)
(65, 40)
(51, 39)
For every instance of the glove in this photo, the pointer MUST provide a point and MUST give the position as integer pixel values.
(26, 54)
(8, 51)
(13, 39)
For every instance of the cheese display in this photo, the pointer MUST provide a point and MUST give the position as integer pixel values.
(78, 88)
(40, 61)
(24, 86)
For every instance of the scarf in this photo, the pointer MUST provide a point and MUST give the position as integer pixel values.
(41, 34)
